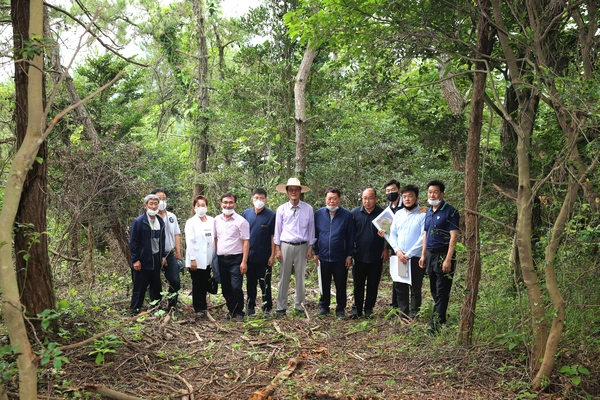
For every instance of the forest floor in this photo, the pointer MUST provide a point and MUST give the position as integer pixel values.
(176, 356)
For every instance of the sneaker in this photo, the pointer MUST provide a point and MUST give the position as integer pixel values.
(240, 318)
(322, 312)
(250, 311)
(200, 314)
(341, 315)
(267, 313)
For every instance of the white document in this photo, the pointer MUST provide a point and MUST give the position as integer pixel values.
(320, 281)
(399, 271)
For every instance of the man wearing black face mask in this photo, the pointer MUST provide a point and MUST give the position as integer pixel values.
(392, 194)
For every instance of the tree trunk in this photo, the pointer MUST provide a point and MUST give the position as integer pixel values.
(58, 71)
(300, 110)
(456, 105)
(528, 103)
(471, 236)
(31, 244)
(201, 142)
(33, 12)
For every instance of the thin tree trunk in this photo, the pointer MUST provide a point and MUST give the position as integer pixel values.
(456, 105)
(528, 103)
(300, 109)
(471, 235)
(201, 142)
(58, 70)
(33, 12)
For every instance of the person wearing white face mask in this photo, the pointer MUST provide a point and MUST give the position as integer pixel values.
(172, 247)
(147, 246)
(438, 254)
(333, 248)
(262, 252)
(232, 244)
(200, 246)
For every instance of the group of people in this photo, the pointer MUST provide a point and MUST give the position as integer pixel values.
(423, 238)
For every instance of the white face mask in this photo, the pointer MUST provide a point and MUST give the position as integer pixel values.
(201, 211)
(227, 211)
(259, 204)
(332, 208)
(162, 205)
(151, 212)
(434, 203)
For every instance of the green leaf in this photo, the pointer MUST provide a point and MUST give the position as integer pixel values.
(583, 370)
(576, 380)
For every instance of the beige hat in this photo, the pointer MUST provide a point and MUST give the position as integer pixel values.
(292, 182)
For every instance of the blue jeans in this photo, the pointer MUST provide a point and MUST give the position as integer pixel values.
(171, 271)
(231, 283)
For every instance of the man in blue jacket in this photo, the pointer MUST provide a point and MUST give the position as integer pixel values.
(147, 245)
(333, 249)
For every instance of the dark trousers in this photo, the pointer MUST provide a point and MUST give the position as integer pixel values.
(340, 276)
(231, 283)
(259, 273)
(143, 280)
(171, 271)
(409, 296)
(371, 274)
(440, 284)
(199, 288)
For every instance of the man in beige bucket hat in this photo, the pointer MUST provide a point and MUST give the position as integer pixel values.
(294, 238)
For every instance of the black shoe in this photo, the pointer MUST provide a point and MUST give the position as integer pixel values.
(250, 311)
(354, 315)
(132, 313)
(240, 318)
(341, 315)
(226, 317)
(322, 312)
(301, 313)
(368, 314)
(280, 314)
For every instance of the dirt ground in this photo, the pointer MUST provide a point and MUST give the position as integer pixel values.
(176, 356)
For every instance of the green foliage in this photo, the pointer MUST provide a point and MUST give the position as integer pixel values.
(574, 372)
(104, 346)
(8, 365)
(50, 352)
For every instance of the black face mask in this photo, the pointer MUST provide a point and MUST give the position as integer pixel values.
(411, 207)
(392, 197)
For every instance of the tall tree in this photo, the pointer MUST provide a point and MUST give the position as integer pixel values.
(200, 141)
(300, 109)
(31, 243)
(484, 47)
(28, 18)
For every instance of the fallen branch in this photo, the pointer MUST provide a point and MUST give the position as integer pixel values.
(266, 392)
(491, 219)
(113, 394)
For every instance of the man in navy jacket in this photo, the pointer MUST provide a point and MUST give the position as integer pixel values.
(333, 249)
(147, 245)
